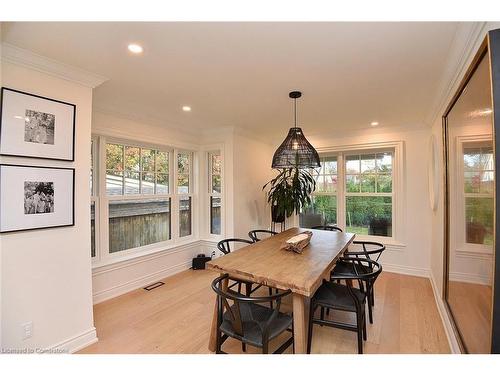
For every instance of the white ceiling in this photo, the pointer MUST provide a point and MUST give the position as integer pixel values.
(239, 74)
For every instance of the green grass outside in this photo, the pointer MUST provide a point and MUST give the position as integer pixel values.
(357, 230)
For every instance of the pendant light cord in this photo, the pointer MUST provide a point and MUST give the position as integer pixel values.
(295, 110)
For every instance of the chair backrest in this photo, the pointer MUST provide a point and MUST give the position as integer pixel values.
(225, 245)
(254, 234)
(370, 250)
(364, 269)
(224, 296)
(366, 272)
(332, 228)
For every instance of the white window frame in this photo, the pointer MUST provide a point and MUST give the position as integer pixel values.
(103, 256)
(94, 194)
(461, 246)
(211, 194)
(316, 176)
(366, 194)
(398, 190)
(190, 194)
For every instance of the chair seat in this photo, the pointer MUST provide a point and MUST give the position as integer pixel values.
(337, 296)
(253, 317)
(343, 268)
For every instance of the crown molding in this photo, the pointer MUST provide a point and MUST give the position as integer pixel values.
(468, 38)
(29, 59)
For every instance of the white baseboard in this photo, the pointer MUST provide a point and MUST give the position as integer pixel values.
(140, 282)
(405, 270)
(450, 334)
(77, 342)
(470, 278)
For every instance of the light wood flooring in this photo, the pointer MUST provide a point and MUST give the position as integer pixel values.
(176, 318)
(471, 305)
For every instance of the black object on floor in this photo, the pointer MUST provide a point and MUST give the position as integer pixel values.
(199, 262)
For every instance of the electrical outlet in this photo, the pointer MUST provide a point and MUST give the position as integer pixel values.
(213, 254)
(27, 330)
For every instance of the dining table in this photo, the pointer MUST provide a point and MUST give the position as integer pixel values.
(266, 263)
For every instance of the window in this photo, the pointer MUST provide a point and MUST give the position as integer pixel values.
(138, 222)
(214, 191)
(479, 185)
(368, 192)
(354, 190)
(145, 194)
(142, 173)
(93, 199)
(133, 170)
(184, 190)
(323, 208)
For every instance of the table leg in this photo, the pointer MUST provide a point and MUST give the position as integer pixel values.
(300, 316)
(212, 343)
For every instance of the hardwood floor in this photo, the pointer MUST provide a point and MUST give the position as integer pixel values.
(471, 306)
(176, 318)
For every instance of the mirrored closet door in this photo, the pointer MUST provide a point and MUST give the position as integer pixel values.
(470, 188)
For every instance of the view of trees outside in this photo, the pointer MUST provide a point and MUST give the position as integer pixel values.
(323, 207)
(134, 170)
(183, 172)
(137, 171)
(479, 185)
(215, 188)
(369, 193)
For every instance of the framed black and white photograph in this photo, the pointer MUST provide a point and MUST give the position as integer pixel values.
(36, 127)
(35, 197)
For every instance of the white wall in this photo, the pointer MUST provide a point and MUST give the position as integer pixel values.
(252, 169)
(46, 274)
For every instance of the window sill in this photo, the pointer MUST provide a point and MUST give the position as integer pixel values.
(388, 241)
(137, 255)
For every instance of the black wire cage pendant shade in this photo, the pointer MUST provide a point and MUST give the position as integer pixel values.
(295, 151)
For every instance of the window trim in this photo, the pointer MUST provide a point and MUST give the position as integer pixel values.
(462, 247)
(191, 189)
(211, 194)
(103, 256)
(398, 185)
(205, 208)
(94, 196)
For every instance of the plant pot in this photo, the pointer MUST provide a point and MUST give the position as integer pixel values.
(275, 216)
(475, 233)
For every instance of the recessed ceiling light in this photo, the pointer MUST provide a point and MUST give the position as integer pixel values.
(374, 123)
(186, 108)
(135, 48)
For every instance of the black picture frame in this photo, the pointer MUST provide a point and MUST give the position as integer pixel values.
(72, 198)
(2, 125)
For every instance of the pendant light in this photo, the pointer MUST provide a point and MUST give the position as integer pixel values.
(295, 151)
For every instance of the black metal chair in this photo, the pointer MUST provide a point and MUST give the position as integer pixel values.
(254, 234)
(337, 296)
(370, 250)
(332, 228)
(247, 320)
(224, 247)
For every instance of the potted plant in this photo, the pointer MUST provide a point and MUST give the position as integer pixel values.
(288, 192)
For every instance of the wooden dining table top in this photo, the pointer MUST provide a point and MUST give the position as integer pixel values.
(265, 263)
